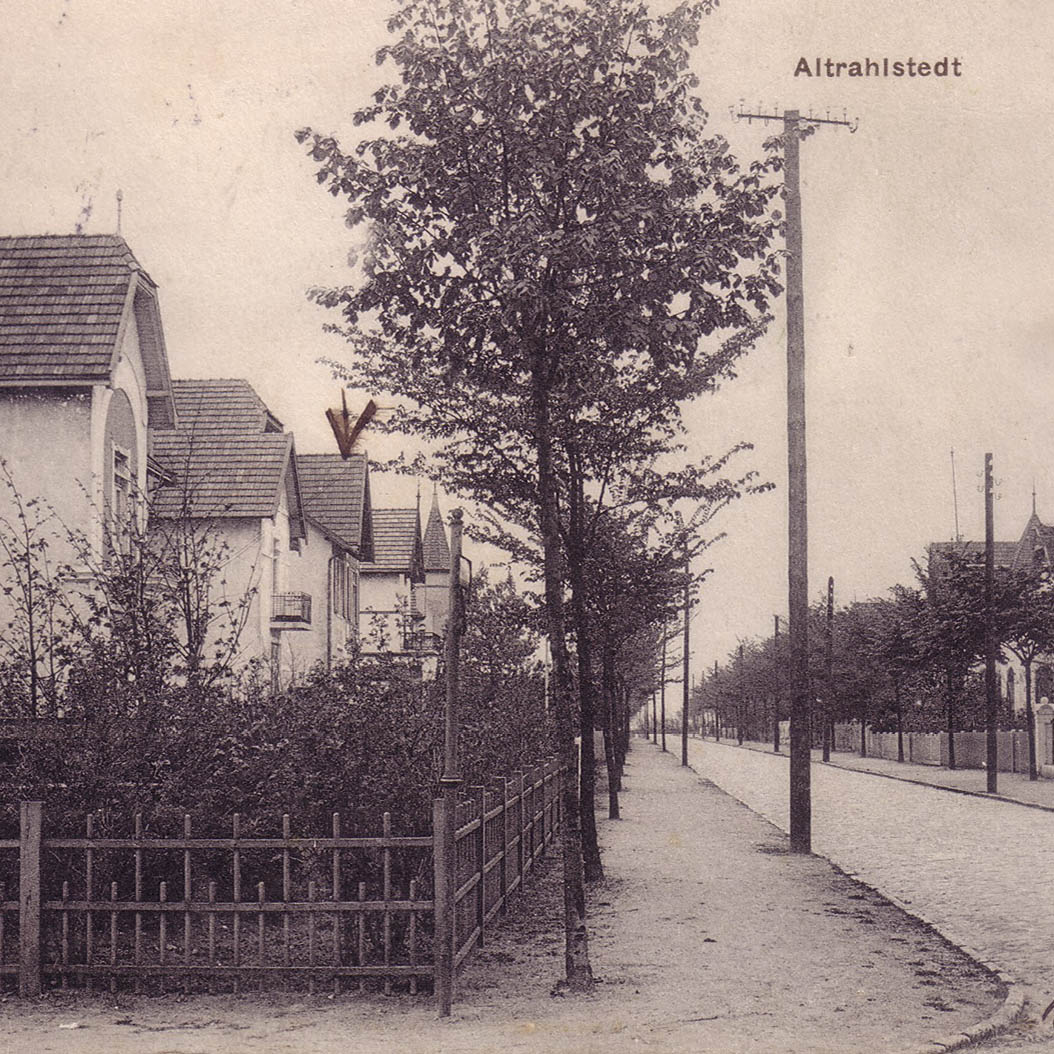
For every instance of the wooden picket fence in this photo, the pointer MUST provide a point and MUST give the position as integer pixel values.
(205, 914)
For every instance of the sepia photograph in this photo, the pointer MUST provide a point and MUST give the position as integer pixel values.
(526, 525)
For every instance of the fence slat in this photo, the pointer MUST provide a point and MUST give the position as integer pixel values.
(337, 954)
(479, 862)
(89, 874)
(387, 895)
(188, 895)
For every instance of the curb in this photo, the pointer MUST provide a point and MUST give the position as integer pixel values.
(1013, 1007)
(909, 779)
(1012, 1010)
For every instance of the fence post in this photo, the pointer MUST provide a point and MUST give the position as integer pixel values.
(480, 794)
(31, 825)
(444, 882)
(541, 772)
(520, 844)
(504, 872)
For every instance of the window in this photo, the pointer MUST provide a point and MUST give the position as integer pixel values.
(342, 588)
(276, 666)
(276, 550)
(121, 499)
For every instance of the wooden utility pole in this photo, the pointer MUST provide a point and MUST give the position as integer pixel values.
(662, 688)
(991, 686)
(717, 708)
(828, 690)
(776, 685)
(449, 782)
(797, 540)
(686, 661)
(739, 701)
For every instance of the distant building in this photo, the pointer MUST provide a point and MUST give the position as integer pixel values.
(336, 497)
(404, 587)
(1033, 548)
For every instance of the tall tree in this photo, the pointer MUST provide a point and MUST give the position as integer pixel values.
(1029, 633)
(552, 224)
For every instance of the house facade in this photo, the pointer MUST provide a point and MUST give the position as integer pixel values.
(232, 485)
(83, 378)
(405, 585)
(339, 519)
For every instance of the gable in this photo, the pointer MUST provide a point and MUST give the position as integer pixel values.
(396, 542)
(335, 495)
(65, 303)
(228, 457)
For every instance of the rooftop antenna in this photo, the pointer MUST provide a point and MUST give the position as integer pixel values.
(955, 500)
(1033, 495)
(120, 198)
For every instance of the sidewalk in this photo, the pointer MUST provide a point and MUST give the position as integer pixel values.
(1012, 786)
(706, 935)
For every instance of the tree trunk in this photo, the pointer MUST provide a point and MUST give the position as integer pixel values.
(608, 695)
(900, 719)
(1030, 719)
(951, 700)
(594, 869)
(577, 969)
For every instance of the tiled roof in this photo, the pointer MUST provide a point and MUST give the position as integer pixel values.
(227, 457)
(225, 405)
(1004, 551)
(435, 548)
(336, 495)
(237, 475)
(396, 541)
(62, 300)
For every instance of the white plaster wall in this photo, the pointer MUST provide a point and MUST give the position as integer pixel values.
(45, 439)
(380, 597)
(309, 572)
(436, 601)
(245, 570)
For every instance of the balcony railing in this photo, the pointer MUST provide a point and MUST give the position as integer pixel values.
(291, 610)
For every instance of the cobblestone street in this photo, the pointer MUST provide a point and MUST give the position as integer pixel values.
(977, 869)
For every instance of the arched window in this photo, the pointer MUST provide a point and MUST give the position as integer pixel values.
(1010, 687)
(1044, 683)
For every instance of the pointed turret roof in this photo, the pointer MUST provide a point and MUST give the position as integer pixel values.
(436, 546)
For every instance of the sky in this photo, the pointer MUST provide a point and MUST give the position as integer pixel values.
(929, 295)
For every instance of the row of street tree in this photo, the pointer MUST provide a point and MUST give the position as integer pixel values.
(559, 257)
(908, 661)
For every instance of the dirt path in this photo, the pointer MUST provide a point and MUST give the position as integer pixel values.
(707, 936)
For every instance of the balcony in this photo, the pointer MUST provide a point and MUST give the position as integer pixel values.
(291, 611)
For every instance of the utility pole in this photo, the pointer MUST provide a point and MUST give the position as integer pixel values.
(717, 709)
(450, 783)
(776, 685)
(739, 701)
(828, 691)
(991, 687)
(686, 657)
(797, 535)
(662, 688)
